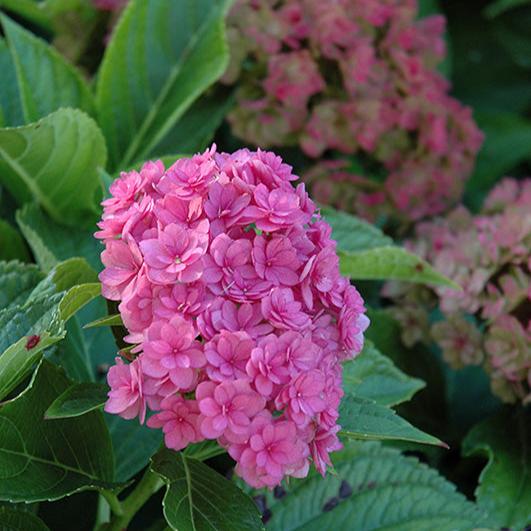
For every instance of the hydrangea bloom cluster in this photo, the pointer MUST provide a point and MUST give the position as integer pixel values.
(228, 283)
(489, 255)
(354, 76)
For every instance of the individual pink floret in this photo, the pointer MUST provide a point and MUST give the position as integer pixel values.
(125, 397)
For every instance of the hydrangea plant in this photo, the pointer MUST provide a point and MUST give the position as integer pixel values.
(219, 320)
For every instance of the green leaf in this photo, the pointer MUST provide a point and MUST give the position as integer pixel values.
(199, 498)
(45, 80)
(48, 459)
(53, 161)
(86, 354)
(365, 419)
(108, 320)
(428, 408)
(170, 68)
(52, 242)
(12, 246)
(77, 400)
(27, 328)
(375, 488)
(10, 107)
(15, 520)
(133, 445)
(204, 450)
(391, 263)
(195, 129)
(30, 10)
(17, 281)
(352, 233)
(373, 376)
(498, 7)
(504, 490)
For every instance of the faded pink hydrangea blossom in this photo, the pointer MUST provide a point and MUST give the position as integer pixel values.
(489, 256)
(229, 286)
(353, 76)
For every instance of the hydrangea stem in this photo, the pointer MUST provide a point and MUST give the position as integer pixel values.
(147, 486)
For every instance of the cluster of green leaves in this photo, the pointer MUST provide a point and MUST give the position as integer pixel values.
(61, 141)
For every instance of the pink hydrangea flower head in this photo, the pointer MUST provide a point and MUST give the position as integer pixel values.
(228, 283)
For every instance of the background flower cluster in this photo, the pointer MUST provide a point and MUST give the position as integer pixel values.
(354, 77)
(487, 322)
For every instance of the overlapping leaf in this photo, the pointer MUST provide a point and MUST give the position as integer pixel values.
(373, 376)
(199, 498)
(44, 78)
(365, 419)
(504, 489)
(52, 161)
(78, 400)
(48, 459)
(35, 321)
(375, 488)
(173, 51)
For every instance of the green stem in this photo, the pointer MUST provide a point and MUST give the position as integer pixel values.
(30, 10)
(148, 485)
(113, 501)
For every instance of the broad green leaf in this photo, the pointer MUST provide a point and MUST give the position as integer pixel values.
(45, 80)
(108, 320)
(12, 246)
(52, 242)
(197, 497)
(65, 275)
(195, 129)
(48, 459)
(365, 419)
(133, 445)
(390, 263)
(30, 10)
(77, 400)
(504, 490)
(428, 407)
(30, 326)
(204, 450)
(86, 354)
(375, 488)
(16, 520)
(170, 70)
(17, 281)
(53, 162)
(352, 233)
(18, 359)
(373, 376)
(499, 7)
(10, 107)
